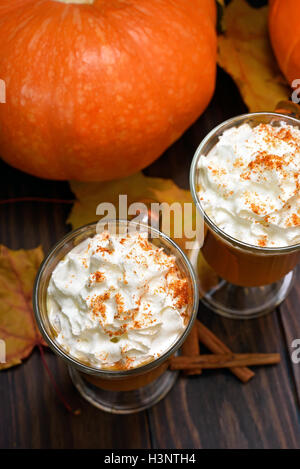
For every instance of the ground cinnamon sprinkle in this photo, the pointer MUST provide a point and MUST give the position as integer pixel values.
(124, 364)
(97, 305)
(145, 245)
(263, 241)
(124, 278)
(238, 163)
(293, 221)
(297, 181)
(181, 292)
(287, 136)
(255, 209)
(246, 175)
(120, 303)
(268, 161)
(98, 276)
(109, 249)
(219, 172)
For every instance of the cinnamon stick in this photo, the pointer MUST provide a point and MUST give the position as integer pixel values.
(215, 345)
(229, 360)
(191, 347)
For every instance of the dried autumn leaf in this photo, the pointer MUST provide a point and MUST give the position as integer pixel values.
(245, 53)
(17, 324)
(138, 188)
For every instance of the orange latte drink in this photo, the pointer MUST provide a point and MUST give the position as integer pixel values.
(117, 303)
(248, 187)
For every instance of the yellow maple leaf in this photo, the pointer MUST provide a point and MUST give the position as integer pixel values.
(245, 53)
(18, 330)
(137, 188)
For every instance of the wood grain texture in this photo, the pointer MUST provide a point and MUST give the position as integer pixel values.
(290, 318)
(210, 411)
(216, 411)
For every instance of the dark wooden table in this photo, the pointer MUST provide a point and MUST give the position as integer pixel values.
(211, 411)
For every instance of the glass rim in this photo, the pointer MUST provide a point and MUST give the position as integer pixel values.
(99, 371)
(236, 242)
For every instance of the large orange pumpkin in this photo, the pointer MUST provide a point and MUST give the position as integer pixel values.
(285, 35)
(97, 89)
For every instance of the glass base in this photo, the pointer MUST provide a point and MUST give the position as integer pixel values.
(124, 402)
(237, 302)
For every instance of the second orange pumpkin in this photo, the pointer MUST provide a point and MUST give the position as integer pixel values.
(285, 36)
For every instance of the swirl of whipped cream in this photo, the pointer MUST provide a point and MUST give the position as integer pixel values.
(249, 184)
(117, 301)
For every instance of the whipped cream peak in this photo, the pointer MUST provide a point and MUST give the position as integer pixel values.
(117, 301)
(249, 184)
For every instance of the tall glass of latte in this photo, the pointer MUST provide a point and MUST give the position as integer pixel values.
(245, 180)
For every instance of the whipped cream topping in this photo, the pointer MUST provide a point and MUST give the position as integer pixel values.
(249, 184)
(117, 301)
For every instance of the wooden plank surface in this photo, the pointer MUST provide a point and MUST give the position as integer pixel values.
(213, 410)
(290, 318)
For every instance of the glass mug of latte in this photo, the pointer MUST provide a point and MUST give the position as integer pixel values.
(245, 181)
(116, 300)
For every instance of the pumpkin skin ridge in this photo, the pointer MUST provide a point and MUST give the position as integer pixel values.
(68, 162)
